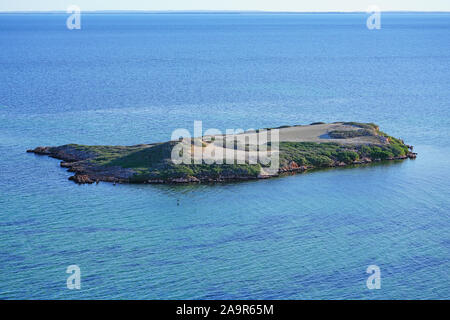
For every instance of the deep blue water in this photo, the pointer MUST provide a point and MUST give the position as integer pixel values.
(128, 79)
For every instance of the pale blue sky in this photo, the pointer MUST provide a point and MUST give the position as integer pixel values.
(266, 5)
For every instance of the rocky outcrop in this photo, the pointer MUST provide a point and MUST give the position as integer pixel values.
(188, 179)
(362, 161)
(292, 166)
(40, 150)
(66, 164)
(81, 179)
(67, 153)
(86, 171)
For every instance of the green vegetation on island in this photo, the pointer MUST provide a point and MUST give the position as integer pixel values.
(151, 163)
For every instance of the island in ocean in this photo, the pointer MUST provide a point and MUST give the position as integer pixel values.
(298, 149)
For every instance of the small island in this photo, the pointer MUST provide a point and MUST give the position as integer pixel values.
(300, 148)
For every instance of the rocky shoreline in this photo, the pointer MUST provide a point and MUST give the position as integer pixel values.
(88, 174)
(89, 165)
(77, 161)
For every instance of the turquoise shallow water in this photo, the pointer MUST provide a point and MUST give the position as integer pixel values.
(127, 79)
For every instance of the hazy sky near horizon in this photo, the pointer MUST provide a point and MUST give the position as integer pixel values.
(265, 5)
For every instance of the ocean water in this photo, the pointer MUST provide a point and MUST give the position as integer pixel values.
(134, 78)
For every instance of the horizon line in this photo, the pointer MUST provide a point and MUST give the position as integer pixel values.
(213, 11)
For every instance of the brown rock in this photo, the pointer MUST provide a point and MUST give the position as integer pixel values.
(185, 180)
(412, 155)
(66, 164)
(81, 179)
(292, 166)
(40, 150)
